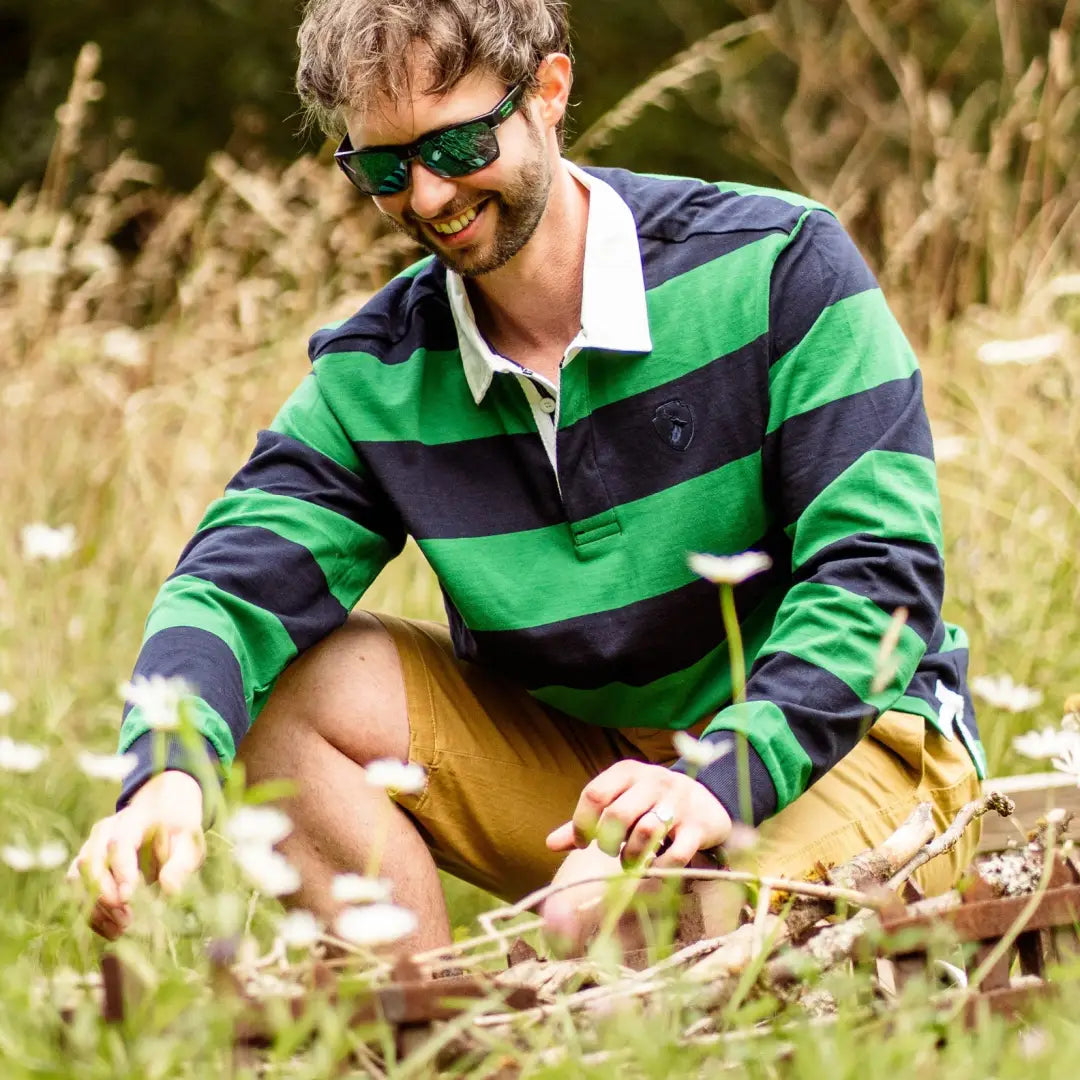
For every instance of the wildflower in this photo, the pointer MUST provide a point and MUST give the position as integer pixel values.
(355, 889)
(7, 703)
(43, 542)
(268, 870)
(106, 766)
(1005, 694)
(124, 345)
(46, 857)
(299, 929)
(19, 757)
(700, 752)
(729, 569)
(950, 448)
(1028, 351)
(159, 699)
(258, 826)
(396, 776)
(1048, 743)
(375, 924)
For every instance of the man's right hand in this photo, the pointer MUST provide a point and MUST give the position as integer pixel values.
(159, 832)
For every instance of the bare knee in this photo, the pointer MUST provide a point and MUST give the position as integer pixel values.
(347, 692)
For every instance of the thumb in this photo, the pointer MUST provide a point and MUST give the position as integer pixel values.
(562, 838)
(180, 856)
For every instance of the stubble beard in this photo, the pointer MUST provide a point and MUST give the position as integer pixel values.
(518, 210)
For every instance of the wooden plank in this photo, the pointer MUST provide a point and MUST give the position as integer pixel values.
(1033, 794)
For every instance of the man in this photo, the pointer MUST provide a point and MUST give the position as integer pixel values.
(597, 374)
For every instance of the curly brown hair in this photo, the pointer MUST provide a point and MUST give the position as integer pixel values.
(353, 52)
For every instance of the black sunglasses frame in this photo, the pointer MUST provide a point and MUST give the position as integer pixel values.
(413, 151)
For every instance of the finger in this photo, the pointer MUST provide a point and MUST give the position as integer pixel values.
(122, 859)
(184, 857)
(597, 795)
(562, 838)
(618, 821)
(110, 922)
(645, 839)
(94, 870)
(685, 844)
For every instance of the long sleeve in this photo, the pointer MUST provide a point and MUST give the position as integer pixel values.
(848, 467)
(276, 564)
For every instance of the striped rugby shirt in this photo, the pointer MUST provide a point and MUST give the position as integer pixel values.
(751, 390)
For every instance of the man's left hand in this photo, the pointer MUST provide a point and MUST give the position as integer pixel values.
(634, 807)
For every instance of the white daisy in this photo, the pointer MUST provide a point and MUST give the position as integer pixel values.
(400, 776)
(1003, 693)
(258, 826)
(7, 703)
(159, 699)
(375, 924)
(700, 752)
(46, 857)
(356, 889)
(269, 871)
(1048, 743)
(299, 929)
(106, 766)
(43, 542)
(51, 855)
(729, 569)
(18, 858)
(19, 757)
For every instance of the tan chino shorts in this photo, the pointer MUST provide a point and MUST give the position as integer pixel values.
(504, 770)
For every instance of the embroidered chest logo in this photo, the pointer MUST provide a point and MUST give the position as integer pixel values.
(674, 423)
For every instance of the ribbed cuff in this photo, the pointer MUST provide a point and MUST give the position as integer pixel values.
(177, 757)
(721, 778)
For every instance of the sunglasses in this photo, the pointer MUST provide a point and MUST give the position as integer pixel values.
(451, 151)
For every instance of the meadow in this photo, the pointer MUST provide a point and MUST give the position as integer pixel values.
(149, 335)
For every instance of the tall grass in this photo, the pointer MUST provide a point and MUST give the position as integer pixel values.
(149, 335)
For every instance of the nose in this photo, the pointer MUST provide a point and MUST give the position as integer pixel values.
(428, 193)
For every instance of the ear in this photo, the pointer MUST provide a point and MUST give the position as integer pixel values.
(555, 76)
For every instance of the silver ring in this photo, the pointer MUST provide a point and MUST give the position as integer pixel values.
(664, 814)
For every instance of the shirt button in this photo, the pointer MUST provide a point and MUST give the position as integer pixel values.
(547, 404)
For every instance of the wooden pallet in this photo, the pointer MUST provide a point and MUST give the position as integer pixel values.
(1033, 795)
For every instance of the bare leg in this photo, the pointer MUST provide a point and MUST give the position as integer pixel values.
(339, 707)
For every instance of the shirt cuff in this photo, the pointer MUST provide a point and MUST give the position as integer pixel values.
(177, 757)
(721, 778)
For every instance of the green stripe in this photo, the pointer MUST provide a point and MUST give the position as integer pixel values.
(307, 418)
(862, 330)
(674, 701)
(259, 642)
(840, 632)
(525, 579)
(349, 555)
(207, 721)
(685, 332)
(767, 730)
(886, 494)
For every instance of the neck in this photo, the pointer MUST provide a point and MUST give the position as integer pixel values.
(533, 303)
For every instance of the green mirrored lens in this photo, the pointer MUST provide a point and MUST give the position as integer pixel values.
(461, 150)
(379, 173)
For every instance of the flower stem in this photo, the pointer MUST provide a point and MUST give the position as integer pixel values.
(738, 696)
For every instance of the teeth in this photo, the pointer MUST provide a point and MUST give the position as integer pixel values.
(449, 228)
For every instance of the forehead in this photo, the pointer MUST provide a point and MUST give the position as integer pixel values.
(406, 117)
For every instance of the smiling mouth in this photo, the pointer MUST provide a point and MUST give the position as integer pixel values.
(458, 224)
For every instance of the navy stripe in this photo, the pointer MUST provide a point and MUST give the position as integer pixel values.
(951, 669)
(820, 267)
(826, 441)
(622, 645)
(256, 565)
(282, 465)
(410, 313)
(475, 487)
(825, 715)
(891, 572)
(504, 483)
(722, 779)
(728, 400)
(205, 662)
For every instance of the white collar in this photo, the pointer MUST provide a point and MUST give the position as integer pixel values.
(614, 315)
